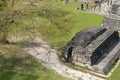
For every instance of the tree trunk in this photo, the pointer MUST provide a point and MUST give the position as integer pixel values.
(3, 39)
(12, 2)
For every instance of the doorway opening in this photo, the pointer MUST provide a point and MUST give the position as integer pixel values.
(69, 55)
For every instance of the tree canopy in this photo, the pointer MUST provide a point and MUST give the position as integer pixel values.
(15, 17)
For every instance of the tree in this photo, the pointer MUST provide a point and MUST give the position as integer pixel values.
(14, 18)
(8, 18)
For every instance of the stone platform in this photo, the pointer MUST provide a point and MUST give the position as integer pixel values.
(108, 59)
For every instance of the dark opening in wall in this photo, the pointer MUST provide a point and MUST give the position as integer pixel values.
(69, 55)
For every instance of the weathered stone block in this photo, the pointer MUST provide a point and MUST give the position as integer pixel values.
(89, 46)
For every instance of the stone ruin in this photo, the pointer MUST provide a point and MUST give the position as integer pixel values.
(103, 6)
(96, 48)
(112, 20)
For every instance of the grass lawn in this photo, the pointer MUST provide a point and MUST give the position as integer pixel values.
(82, 20)
(116, 74)
(79, 21)
(16, 64)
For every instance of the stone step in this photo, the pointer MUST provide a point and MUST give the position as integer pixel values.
(99, 40)
(107, 63)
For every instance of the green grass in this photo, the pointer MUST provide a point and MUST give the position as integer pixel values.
(82, 20)
(116, 74)
(16, 64)
(79, 21)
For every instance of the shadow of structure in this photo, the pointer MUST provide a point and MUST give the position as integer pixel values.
(17, 68)
(26, 44)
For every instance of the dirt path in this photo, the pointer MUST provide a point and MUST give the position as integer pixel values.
(47, 56)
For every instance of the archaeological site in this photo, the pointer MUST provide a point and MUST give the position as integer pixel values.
(96, 48)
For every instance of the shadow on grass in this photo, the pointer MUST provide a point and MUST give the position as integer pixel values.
(17, 68)
(27, 44)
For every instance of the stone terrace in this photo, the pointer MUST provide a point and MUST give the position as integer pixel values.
(108, 59)
(91, 47)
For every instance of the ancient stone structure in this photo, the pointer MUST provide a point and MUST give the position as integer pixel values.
(82, 39)
(104, 6)
(89, 46)
(96, 48)
(112, 20)
(90, 1)
(101, 45)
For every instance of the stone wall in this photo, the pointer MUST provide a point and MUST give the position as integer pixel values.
(112, 20)
(81, 59)
(109, 59)
(91, 1)
(104, 47)
(115, 8)
(81, 40)
(104, 6)
(111, 23)
(92, 47)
